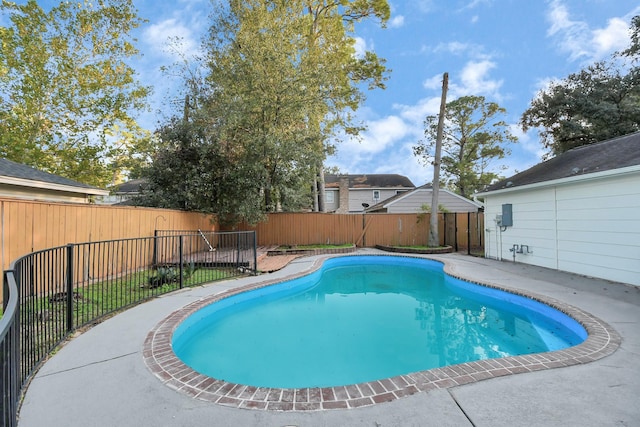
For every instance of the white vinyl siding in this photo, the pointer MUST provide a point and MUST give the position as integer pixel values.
(412, 202)
(589, 227)
(331, 200)
(599, 229)
(359, 196)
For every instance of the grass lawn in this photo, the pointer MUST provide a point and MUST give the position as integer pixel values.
(99, 298)
(43, 318)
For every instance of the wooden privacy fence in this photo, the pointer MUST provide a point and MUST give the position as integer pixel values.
(29, 226)
(462, 231)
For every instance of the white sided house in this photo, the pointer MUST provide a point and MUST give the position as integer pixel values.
(414, 200)
(578, 212)
(355, 193)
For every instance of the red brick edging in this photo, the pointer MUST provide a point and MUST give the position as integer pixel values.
(159, 357)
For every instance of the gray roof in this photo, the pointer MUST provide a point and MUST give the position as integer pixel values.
(369, 181)
(17, 170)
(134, 186)
(616, 153)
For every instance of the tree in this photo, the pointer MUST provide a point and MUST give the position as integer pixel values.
(194, 170)
(282, 77)
(473, 137)
(599, 102)
(595, 104)
(633, 51)
(67, 94)
(434, 239)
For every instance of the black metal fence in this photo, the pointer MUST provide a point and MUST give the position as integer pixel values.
(50, 293)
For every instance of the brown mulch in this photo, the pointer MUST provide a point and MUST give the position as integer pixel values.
(269, 264)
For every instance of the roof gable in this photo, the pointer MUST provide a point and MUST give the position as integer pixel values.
(411, 193)
(612, 154)
(369, 181)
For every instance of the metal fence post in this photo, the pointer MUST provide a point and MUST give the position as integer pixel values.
(181, 261)
(10, 354)
(468, 233)
(455, 231)
(69, 287)
(238, 251)
(5, 292)
(154, 258)
(255, 254)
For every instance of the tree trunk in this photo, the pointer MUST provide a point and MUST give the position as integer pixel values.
(321, 193)
(434, 238)
(315, 193)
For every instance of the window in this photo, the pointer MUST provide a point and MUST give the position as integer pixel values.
(376, 194)
(328, 196)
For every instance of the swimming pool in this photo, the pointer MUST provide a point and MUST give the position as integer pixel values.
(160, 359)
(364, 318)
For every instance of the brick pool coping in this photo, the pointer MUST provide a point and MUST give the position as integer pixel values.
(159, 357)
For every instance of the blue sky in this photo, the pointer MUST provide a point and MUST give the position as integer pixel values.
(504, 50)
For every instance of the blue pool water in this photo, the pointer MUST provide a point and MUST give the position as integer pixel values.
(362, 318)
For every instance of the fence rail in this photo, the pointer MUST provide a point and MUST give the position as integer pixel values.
(50, 293)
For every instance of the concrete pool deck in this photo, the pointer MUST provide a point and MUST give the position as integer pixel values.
(100, 378)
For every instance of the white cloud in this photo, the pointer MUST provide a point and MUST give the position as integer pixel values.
(415, 114)
(474, 80)
(425, 6)
(581, 42)
(360, 47)
(172, 38)
(474, 3)
(614, 37)
(527, 141)
(401, 160)
(396, 22)
(456, 47)
(571, 34)
(380, 135)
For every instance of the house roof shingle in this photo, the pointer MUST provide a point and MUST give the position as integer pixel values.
(133, 186)
(616, 153)
(20, 171)
(369, 181)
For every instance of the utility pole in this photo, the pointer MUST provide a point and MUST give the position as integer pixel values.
(434, 239)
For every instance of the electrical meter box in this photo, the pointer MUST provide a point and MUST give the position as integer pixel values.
(507, 215)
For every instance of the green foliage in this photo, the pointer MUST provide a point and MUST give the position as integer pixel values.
(194, 170)
(473, 137)
(66, 92)
(164, 276)
(426, 209)
(279, 79)
(633, 51)
(600, 102)
(595, 104)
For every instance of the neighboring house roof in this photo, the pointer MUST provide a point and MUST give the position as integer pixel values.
(369, 181)
(132, 187)
(603, 156)
(426, 189)
(17, 174)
